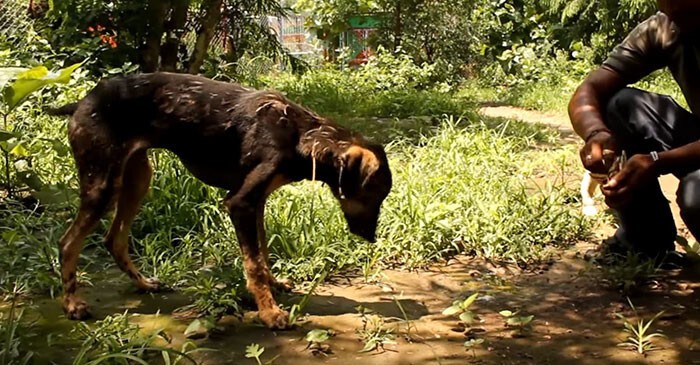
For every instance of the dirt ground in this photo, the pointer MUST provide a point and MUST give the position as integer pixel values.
(574, 314)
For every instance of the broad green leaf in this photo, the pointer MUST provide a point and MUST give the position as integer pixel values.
(32, 80)
(452, 310)
(474, 342)
(506, 313)
(31, 179)
(317, 336)
(52, 195)
(19, 151)
(9, 73)
(527, 319)
(60, 148)
(469, 301)
(200, 326)
(520, 321)
(254, 350)
(5, 135)
(370, 345)
(467, 317)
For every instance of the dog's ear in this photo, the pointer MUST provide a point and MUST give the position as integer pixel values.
(358, 164)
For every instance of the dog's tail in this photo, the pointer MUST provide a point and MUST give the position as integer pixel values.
(65, 110)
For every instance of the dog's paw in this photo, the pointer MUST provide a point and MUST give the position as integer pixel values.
(275, 318)
(283, 285)
(76, 309)
(151, 285)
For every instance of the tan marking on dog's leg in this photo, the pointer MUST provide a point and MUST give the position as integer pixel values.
(92, 207)
(283, 284)
(244, 211)
(135, 184)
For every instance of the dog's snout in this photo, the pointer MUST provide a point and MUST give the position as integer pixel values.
(366, 232)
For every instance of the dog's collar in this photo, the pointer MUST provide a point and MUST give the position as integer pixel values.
(340, 182)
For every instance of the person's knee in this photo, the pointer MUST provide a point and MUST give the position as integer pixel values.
(619, 109)
(688, 198)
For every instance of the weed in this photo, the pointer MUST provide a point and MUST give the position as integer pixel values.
(114, 340)
(461, 307)
(409, 324)
(254, 351)
(627, 273)
(472, 344)
(11, 351)
(295, 312)
(521, 324)
(373, 332)
(639, 337)
(316, 341)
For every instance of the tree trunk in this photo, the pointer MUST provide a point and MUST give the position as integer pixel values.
(150, 54)
(174, 30)
(398, 31)
(234, 48)
(211, 15)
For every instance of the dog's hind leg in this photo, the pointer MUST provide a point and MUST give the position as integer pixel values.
(136, 181)
(244, 207)
(97, 190)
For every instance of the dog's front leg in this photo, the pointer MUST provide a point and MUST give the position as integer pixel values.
(243, 207)
(279, 284)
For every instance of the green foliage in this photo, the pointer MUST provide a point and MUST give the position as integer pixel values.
(14, 152)
(639, 337)
(114, 340)
(254, 351)
(461, 307)
(388, 86)
(12, 331)
(628, 273)
(330, 17)
(601, 24)
(522, 324)
(317, 341)
(374, 333)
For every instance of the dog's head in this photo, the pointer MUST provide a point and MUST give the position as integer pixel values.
(364, 183)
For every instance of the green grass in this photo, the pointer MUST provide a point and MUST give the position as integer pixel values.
(493, 188)
(553, 95)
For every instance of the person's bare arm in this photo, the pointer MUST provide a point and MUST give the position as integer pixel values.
(586, 110)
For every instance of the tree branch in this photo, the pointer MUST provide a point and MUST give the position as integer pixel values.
(211, 15)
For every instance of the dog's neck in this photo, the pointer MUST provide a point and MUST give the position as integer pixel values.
(322, 146)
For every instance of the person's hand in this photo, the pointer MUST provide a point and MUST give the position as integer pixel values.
(597, 152)
(636, 172)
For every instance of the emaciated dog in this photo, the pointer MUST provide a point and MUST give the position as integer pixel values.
(246, 141)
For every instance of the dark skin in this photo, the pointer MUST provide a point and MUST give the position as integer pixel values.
(585, 111)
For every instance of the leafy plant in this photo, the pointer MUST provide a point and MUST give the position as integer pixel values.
(639, 336)
(295, 312)
(627, 273)
(461, 308)
(26, 82)
(522, 324)
(409, 324)
(472, 344)
(373, 332)
(11, 351)
(254, 351)
(114, 340)
(316, 341)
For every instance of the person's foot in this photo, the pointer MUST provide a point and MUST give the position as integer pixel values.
(673, 260)
(611, 250)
